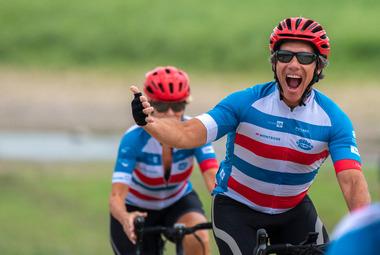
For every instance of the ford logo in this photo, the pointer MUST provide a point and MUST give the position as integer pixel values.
(304, 144)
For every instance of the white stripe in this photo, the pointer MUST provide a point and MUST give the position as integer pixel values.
(223, 235)
(319, 230)
(277, 138)
(153, 171)
(274, 164)
(155, 193)
(268, 188)
(155, 205)
(236, 196)
(211, 126)
(120, 177)
(189, 163)
(312, 114)
(152, 146)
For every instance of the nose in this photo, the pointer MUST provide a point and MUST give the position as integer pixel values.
(170, 112)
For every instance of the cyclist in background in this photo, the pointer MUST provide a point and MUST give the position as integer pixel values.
(358, 233)
(279, 134)
(151, 179)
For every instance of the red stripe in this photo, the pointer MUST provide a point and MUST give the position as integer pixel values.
(265, 200)
(346, 164)
(148, 180)
(146, 197)
(278, 152)
(208, 164)
(175, 178)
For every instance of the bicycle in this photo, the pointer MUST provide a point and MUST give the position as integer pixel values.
(175, 233)
(307, 247)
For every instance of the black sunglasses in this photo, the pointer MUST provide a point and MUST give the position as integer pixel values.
(164, 106)
(304, 58)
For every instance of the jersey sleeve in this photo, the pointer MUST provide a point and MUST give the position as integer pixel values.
(225, 116)
(342, 146)
(126, 158)
(206, 157)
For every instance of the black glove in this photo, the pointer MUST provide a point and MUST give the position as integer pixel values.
(137, 107)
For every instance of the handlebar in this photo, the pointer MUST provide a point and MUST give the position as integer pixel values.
(176, 232)
(307, 247)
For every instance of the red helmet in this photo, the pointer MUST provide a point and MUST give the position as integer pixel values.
(167, 84)
(302, 29)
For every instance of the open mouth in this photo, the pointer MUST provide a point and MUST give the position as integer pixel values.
(293, 81)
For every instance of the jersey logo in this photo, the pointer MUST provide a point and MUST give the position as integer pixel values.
(355, 150)
(279, 124)
(207, 149)
(304, 144)
(182, 166)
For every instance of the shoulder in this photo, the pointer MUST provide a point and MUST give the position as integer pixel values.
(135, 135)
(336, 115)
(358, 221)
(250, 95)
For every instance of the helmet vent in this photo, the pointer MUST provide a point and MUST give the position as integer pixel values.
(167, 70)
(307, 24)
(154, 85)
(317, 29)
(325, 46)
(180, 73)
(289, 24)
(150, 90)
(298, 22)
(155, 73)
(171, 87)
(279, 27)
(180, 86)
(323, 36)
(161, 87)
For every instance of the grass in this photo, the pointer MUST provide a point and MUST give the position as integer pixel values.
(223, 36)
(61, 208)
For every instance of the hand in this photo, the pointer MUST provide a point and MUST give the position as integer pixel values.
(141, 108)
(129, 227)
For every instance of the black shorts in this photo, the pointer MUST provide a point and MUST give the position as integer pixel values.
(165, 217)
(235, 225)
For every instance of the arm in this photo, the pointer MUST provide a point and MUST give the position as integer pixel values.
(209, 178)
(117, 208)
(187, 134)
(354, 188)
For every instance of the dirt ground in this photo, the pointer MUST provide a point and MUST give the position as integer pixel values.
(93, 102)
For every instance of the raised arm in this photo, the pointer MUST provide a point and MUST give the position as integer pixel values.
(179, 134)
(354, 188)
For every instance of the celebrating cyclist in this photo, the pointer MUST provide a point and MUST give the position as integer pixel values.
(279, 134)
(151, 179)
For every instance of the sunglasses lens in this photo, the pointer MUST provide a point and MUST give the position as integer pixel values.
(306, 58)
(178, 107)
(284, 56)
(164, 107)
(160, 107)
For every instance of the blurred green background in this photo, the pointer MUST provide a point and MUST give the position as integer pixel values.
(202, 35)
(65, 68)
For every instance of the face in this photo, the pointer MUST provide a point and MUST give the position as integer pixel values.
(293, 76)
(176, 110)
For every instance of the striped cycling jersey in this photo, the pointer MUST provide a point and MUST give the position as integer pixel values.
(274, 153)
(139, 165)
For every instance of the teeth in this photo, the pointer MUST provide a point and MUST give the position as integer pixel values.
(293, 76)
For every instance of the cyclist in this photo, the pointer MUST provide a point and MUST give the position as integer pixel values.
(358, 233)
(279, 134)
(152, 179)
